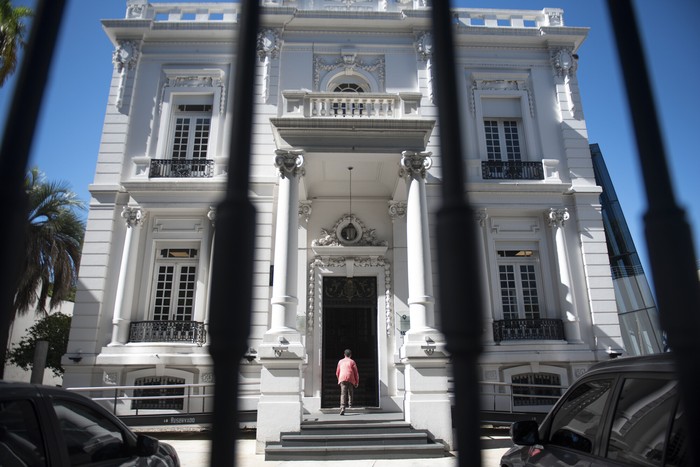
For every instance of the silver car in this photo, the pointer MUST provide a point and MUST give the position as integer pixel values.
(622, 412)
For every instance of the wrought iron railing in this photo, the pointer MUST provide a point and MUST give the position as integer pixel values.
(168, 331)
(176, 168)
(512, 170)
(528, 329)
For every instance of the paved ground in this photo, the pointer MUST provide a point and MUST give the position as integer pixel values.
(193, 449)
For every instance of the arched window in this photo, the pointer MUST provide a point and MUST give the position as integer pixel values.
(349, 87)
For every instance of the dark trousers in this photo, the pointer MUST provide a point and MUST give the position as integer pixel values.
(346, 390)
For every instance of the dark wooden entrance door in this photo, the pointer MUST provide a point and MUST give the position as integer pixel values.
(350, 322)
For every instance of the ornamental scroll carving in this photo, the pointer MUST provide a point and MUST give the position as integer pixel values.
(134, 217)
(557, 217)
(289, 163)
(415, 164)
(195, 80)
(125, 57)
(338, 235)
(564, 62)
(349, 62)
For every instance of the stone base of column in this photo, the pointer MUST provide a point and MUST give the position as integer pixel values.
(572, 331)
(423, 343)
(282, 344)
(427, 405)
(280, 407)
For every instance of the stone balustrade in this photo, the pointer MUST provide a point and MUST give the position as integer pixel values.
(548, 17)
(351, 105)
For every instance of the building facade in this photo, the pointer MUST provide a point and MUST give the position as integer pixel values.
(345, 176)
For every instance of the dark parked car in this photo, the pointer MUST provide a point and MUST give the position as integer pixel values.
(622, 412)
(48, 426)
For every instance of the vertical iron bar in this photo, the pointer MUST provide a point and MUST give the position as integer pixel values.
(232, 268)
(16, 145)
(460, 292)
(668, 234)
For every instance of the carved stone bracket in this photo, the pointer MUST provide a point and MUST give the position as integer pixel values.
(415, 163)
(563, 62)
(125, 57)
(557, 217)
(397, 210)
(481, 216)
(424, 45)
(268, 44)
(134, 217)
(289, 163)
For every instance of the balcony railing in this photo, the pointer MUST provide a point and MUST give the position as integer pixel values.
(175, 168)
(351, 105)
(511, 170)
(168, 331)
(528, 329)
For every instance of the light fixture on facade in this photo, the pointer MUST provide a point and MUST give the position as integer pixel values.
(349, 232)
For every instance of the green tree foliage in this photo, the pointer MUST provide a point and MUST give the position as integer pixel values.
(53, 240)
(54, 329)
(12, 32)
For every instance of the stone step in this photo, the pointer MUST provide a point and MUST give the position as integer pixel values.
(350, 439)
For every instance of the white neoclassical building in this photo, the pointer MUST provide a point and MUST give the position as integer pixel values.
(345, 178)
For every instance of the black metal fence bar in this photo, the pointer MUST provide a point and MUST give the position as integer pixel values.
(176, 168)
(671, 251)
(457, 253)
(16, 144)
(167, 331)
(512, 170)
(528, 329)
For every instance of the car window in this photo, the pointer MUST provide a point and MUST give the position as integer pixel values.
(21, 443)
(578, 419)
(90, 437)
(644, 411)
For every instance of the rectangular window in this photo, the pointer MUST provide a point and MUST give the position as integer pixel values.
(190, 133)
(517, 270)
(175, 284)
(502, 139)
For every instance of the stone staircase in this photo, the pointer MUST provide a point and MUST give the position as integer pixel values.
(355, 437)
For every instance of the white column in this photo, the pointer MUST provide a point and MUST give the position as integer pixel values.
(427, 404)
(557, 218)
(487, 334)
(420, 275)
(282, 353)
(121, 319)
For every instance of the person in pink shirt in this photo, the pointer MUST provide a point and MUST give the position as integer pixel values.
(348, 379)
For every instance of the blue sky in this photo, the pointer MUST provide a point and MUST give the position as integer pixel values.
(68, 135)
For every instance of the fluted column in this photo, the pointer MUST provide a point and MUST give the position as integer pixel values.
(481, 216)
(556, 219)
(121, 319)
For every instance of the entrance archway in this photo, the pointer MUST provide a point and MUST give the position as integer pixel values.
(350, 322)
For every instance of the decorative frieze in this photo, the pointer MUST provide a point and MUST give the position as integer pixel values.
(189, 79)
(415, 164)
(289, 163)
(500, 82)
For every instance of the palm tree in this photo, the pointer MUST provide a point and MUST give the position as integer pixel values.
(12, 31)
(53, 241)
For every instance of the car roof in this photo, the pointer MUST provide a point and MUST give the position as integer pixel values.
(658, 363)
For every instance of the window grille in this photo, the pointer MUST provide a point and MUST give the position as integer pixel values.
(166, 403)
(527, 387)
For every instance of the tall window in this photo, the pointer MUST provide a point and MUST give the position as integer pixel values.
(190, 132)
(518, 281)
(174, 284)
(502, 140)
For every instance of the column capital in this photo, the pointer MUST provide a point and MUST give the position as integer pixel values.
(305, 210)
(211, 215)
(415, 163)
(397, 210)
(134, 217)
(556, 217)
(289, 162)
(480, 216)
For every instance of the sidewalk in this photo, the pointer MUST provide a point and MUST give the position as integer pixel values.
(193, 449)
